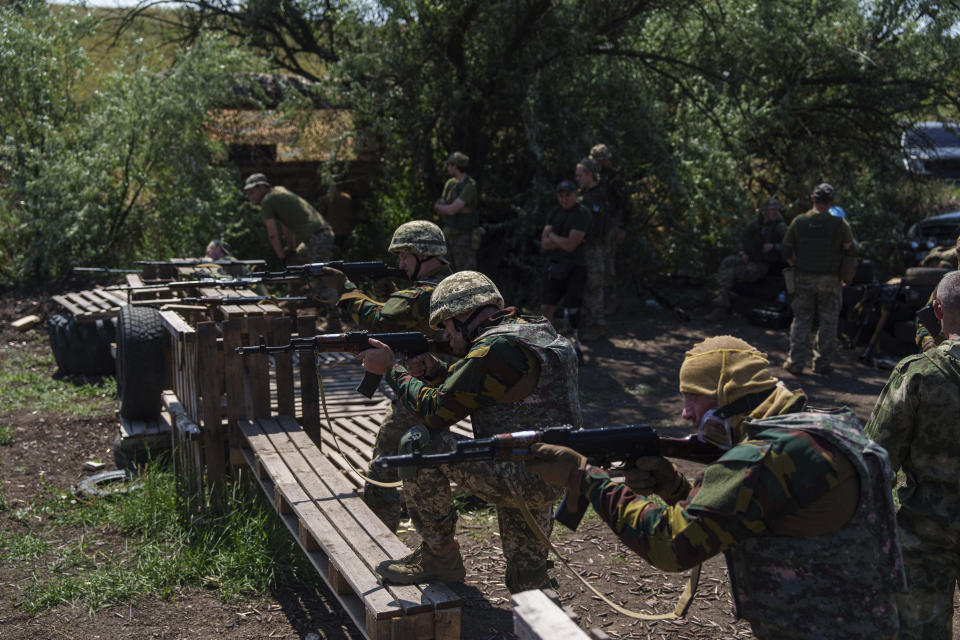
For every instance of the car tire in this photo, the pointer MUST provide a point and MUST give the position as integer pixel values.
(139, 362)
(81, 347)
(98, 486)
(923, 276)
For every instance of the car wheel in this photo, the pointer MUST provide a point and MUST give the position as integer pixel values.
(139, 362)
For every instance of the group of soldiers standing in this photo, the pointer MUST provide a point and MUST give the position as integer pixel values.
(799, 501)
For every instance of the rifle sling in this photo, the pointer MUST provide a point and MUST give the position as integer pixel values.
(680, 610)
(336, 442)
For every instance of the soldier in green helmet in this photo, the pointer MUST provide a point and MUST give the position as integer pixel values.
(420, 248)
(517, 373)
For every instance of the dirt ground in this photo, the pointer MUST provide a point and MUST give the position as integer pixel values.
(629, 378)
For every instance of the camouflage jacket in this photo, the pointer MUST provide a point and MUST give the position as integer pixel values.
(497, 368)
(768, 478)
(761, 232)
(405, 310)
(915, 419)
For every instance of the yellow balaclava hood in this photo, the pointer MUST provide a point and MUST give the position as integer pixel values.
(726, 368)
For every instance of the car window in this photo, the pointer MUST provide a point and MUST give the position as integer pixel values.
(938, 136)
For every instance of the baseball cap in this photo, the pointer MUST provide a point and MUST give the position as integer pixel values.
(567, 185)
(255, 180)
(599, 152)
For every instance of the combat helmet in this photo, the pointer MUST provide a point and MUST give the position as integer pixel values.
(460, 292)
(419, 237)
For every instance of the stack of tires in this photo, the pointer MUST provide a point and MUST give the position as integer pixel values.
(81, 348)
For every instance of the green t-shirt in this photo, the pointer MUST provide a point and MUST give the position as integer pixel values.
(465, 190)
(563, 221)
(293, 212)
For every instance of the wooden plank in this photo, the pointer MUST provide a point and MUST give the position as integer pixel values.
(233, 380)
(24, 323)
(116, 297)
(93, 297)
(318, 558)
(376, 597)
(255, 367)
(283, 367)
(309, 391)
(69, 305)
(339, 487)
(210, 379)
(77, 298)
(536, 617)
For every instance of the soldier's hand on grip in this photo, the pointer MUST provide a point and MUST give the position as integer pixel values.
(559, 466)
(653, 474)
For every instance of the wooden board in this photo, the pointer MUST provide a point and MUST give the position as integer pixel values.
(342, 537)
(92, 304)
(536, 617)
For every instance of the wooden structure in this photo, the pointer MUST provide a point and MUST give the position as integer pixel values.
(93, 304)
(539, 615)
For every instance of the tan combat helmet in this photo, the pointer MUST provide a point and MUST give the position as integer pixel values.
(419, 237)
(463, 291)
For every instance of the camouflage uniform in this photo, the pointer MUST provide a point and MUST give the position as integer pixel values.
(518, 374)
(799, 567)
(733, 269)
(915, 419)
(619, 203)
(816, 240)
(405, 310)
(595, 201)
(458, 229)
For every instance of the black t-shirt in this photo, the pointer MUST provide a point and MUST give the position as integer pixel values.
(563, 222)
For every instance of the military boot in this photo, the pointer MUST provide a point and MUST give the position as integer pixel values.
(423, 564)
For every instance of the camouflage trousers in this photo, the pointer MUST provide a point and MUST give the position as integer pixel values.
(318, 248)
(816, 295)
(460, 248)
(933, 569)
(502, 484)
(384, 501)
(733, 270)
(594, 311)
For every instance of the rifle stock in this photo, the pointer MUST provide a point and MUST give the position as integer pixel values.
(404, 343)
(602, 445)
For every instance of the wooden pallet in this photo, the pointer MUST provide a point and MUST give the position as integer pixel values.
(92, 304)
(343, 539)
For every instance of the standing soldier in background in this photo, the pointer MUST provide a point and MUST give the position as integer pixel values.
(816, 243)
(929, 337)
(460, 204)
(517, 373)
(308, 236)
(562, 239)
(594, 198)
(420, 247)
(916, 420)
(760, 250)
(619, 206)
(799, 503)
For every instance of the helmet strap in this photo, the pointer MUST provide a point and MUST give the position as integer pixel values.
(463, 325)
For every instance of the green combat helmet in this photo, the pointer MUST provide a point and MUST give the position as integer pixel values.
(460, 292)
(419, 237)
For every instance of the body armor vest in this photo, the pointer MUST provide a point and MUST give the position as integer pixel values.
(556, 398)
(838, 585)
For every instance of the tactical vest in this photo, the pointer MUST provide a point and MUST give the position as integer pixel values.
(818, 247)
(424, 286)
(838, 585)
(556, 398)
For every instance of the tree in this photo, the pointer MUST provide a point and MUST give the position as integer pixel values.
(124, 172)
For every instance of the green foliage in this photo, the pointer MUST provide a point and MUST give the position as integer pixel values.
(26, 380)
(124, 172)
(245, 551)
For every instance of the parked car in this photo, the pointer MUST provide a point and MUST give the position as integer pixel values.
(932, 149)
(930, 233)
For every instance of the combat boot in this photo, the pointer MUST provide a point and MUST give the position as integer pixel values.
(423, 564)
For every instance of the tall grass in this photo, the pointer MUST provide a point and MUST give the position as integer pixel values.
(150, 542)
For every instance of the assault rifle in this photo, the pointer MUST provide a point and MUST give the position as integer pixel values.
(353, 271)
(218, 300)
(103, 270)
(602, 446)
(406, 344)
